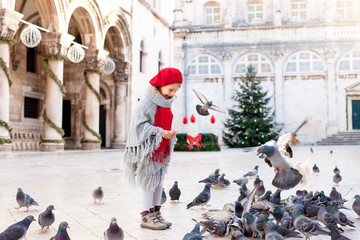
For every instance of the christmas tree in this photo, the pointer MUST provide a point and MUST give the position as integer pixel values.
(251, 121)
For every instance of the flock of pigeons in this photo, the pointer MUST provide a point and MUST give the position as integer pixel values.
(47, 218)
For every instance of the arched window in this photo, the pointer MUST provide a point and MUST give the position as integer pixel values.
(203, 65)
(160, 62)
(304, 62)
(212, 13)
(350, 61)
(141, 57)
(260, 63)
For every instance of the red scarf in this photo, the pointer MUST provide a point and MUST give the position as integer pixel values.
(163, 119)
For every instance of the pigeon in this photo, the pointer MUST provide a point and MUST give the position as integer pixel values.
(335, 195)
(240, 181)
(325, 217)
(311, 150)
(98, 194)
(310, 210)
(202, 199)
(336, 170)
(194, 234)
(337, 178)
(163, 197)
(24, 200)
(244, 189)
(261, 189)
(335, 235)
(271, 233)
(331, 151)
(114, 232)
(255, 224)
(340, 216)
(238, 235)
(356, 205)
(46, 218)
(203, 110)
(276, 197)
(62, 232)
(212, 177)
(17, 230)
(253, 172)
(316, 169)
(257, 181)
(221, 182)
(214, 227)
(267, 196)
(307, 226)
(174, 192)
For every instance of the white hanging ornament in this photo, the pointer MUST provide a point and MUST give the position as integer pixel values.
(109, 66)
(30, 36)
(75, 53)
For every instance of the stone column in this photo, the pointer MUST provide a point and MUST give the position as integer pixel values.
(9, 23)
(277, 58)
(56, 45)
(121, 100)
(95, 59)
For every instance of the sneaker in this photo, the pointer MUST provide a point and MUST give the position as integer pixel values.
(150, 221)
(161, 219)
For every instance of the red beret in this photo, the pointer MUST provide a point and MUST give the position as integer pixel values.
(166, 76)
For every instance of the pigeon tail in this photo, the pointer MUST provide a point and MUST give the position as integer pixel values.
(287, 179)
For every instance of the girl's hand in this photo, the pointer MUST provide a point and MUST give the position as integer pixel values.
(169, 134)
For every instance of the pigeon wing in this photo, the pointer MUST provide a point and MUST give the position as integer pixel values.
(201, 97)
(216, 108)
(219, 215)
(13, 232)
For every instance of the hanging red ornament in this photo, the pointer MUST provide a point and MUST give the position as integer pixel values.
(192, 118)
(185, 120)
(212, 119)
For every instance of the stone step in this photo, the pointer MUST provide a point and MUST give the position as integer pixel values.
(342, 138)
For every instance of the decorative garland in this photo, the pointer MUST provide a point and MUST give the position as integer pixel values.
(52, 140)
(51, 73)
(6, 70)
(52, 124)
(89, 84)
(9, 41)
(6, 125)
(5, 141)
(98, 136)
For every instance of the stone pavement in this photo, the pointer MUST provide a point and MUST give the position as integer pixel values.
(67, 179)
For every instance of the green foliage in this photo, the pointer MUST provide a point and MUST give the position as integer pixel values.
(251, 121)
(208, 143)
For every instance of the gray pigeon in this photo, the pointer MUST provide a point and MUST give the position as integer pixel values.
(163, 197)
(174, 192)
(325, 217)
(356, 205)
(316, 169)
(307, 226)
(212, 177)
(238, 235)
(240, 181)
(203, 110)
(253, 172)
(271, 233)
(335, 195)
(255, 224)
(194, 234)
(114, 232)
(17, 230)
(46, 218)
(24, 200)
(62, 232)
(337, 178)
(336, 170)
(340, 216)
(335, 235)
(221, 182)
(214, 227)
(202, 199)
(98, 194)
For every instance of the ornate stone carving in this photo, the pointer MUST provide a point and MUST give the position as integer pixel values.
(277, 54)
(56, 43)
(9, 22)
(330, 52)
(95, 58)
(226, 55)
(121, 73)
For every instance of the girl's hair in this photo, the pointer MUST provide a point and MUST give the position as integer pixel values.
(154, 89)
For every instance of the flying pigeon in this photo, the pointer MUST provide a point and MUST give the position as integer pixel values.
(174, 192)
(17, 230)
(163, 197)
(24, 200)
(356, 205)
(316, 169)
(46, 218)
(62, 232)
(203, 110)
(337, 178)
(114, 232)
(202, 199)
(253, 172)
(194, 234)
(98, 194)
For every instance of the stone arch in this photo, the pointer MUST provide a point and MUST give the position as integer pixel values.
(267, 60)
(288, 58)
(211, 56)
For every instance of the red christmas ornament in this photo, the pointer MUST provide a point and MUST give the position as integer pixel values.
(192, 118)
(185, 120)
(212, 120)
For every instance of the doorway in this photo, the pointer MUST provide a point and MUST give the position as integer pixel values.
(102, 125)
(66, 119)
(356, 114)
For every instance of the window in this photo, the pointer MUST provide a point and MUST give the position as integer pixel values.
(260, 63)
(141, 57)
(31, 107)
(160, 62)
(255, 13)
(304, 61)
(350, 61)
(298, 10)
(31, 60)
(212, 14)
(345, 9)
(203, 65)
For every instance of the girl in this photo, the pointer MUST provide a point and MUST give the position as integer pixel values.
(150, 144)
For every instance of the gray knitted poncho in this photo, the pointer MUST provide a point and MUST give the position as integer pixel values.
(142, 140)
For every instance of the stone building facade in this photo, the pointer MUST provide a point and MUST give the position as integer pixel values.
(306, 53)
(55, 104)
